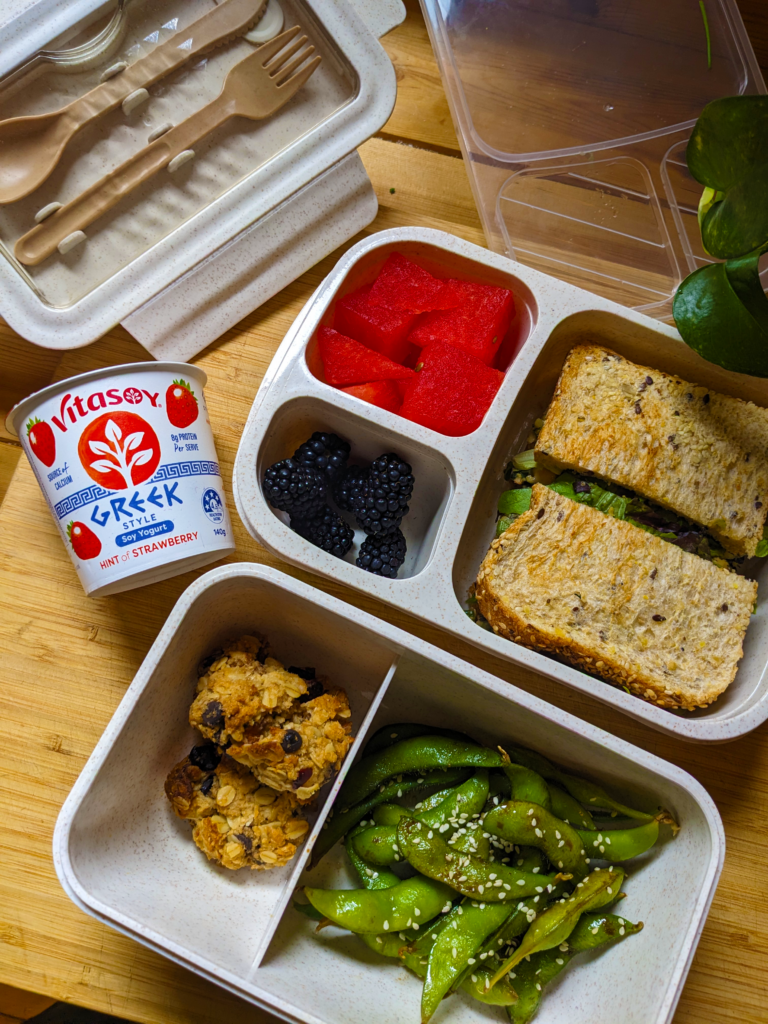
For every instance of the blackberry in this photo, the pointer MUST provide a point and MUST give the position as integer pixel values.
(382, 556)
(382, 502)
(295, 489)
(345, 490)
(327, 453)
(327, 531)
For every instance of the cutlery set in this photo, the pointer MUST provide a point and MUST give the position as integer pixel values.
(255, 88)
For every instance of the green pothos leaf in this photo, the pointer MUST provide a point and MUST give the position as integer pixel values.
(721, 311)
(728, 152)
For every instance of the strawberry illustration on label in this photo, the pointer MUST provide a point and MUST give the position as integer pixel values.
(42, 441)
(119, 450)
(181, 404)
(84, 541)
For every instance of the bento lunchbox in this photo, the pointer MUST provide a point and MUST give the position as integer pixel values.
(452, 515)
(123, 856)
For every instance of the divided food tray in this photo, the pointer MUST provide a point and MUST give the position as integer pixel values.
(458, 480)
(123, 857)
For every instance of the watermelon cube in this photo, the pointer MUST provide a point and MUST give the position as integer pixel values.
(384, 330)
(384, 393)
(452, 391)
(478, 325)
(346, 361)
(403, 285)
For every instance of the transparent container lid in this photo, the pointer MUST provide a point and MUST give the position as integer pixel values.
(573, 117)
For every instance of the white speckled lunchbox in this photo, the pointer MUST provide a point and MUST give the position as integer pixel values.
(122, 856)
(459, 479)
(202, 242)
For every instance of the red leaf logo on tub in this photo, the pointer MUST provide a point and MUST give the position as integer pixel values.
(119, 450)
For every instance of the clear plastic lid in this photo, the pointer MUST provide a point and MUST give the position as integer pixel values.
(559, 75)
(573, 117)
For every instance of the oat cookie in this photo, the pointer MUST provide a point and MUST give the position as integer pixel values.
(300, 749)
(289, 727)
(237, 821)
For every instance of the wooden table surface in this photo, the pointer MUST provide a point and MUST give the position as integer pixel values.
(67, 660)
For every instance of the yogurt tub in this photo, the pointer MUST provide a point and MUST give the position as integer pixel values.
(126, 460)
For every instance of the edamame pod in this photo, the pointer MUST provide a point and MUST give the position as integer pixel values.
(568, 809)
(588, 793)
(478, 985)
(526, 784)
(369, 912)
(390, 814)
(387, 944)
(518, 821)
(530, 859)
(342, 821)
(388, 735)
(531, 976)
(419, 754)
(620, 844)
(555, 924)
(472, 923)
(472, 838)
(378, 845)
(415, 955)
(371, 876)
(308, 911)
(465, 801)
(522, 916)
(433, 800)
(483, 880)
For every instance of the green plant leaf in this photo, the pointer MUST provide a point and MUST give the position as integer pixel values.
(721, 311)
(728, 152)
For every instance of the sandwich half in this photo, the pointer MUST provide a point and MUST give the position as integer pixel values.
(615, 601)
(699, 453)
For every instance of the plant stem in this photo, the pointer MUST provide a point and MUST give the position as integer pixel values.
(706, 31)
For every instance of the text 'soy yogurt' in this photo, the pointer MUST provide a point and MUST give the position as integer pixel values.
(126, 460)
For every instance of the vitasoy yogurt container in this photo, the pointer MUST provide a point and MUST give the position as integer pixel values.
(126, 461)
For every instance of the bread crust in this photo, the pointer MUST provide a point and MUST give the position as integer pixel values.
(617, 602)
(699, 453)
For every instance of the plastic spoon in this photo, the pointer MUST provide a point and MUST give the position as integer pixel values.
(30, 147)
(255, 88)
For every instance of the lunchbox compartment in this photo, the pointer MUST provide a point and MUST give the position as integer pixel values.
(646, 347)
(298, 418)
(442, 263)
(662, 886)
(128, 850)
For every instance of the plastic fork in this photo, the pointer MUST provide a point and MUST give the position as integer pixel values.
(255, 88)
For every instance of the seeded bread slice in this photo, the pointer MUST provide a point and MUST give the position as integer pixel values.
(615, 601)
(699, 453)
